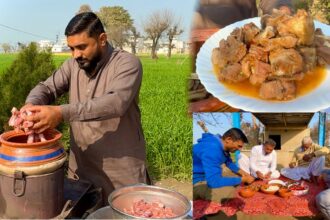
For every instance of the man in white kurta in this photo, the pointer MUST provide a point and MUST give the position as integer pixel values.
(299, 168)
(263, 161)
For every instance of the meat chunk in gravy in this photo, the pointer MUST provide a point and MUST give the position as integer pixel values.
(230, 51)
(278, 90)
(279, 42)
(260, 72)
(309, 57)
(250, 31)
(285, 62)
(258, 53)
(232, 73)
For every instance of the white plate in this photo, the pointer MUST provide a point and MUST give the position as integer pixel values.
(316, 100)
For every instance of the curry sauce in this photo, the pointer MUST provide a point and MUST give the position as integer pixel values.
(310, 81)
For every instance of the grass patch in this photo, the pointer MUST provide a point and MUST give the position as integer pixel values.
(6, 60)
(166, 125)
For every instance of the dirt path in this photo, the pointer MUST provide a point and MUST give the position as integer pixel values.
(183, 187)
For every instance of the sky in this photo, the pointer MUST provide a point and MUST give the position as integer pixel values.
(46, 19)
(218, 123)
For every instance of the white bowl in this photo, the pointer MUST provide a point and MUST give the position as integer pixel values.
(299, 192)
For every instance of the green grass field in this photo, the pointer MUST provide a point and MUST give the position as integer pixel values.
(167, 127)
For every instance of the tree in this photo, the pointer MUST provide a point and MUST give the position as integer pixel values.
(173, 31)
(155, 25)
(117, 22)
(29, 68)
(6, 47)
(135, 37)
(84, 8)
(321, 10)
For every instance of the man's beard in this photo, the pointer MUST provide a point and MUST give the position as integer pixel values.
(89, 65)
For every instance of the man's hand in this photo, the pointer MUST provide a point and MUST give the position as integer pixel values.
(242, 172)
(292, 164)
(308, 157)
(44, 117)
(260, 175)
(25, 106)
(268, 175)
(247, 179)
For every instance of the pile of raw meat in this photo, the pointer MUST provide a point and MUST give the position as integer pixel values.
(274, 57)
(17, 120)
(153, 209)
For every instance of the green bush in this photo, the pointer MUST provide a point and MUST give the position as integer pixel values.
(29, 68)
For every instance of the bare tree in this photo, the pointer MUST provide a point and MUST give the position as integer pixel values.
(155, 25)
(6, 47)
(135, 35)
(84, 8)
(174, 30)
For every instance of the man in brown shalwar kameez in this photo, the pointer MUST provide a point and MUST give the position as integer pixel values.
(107, 142)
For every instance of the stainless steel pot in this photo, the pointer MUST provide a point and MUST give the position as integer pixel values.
(125, 196)
(35, 196)
(103, 213)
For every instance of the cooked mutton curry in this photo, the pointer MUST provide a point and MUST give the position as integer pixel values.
(275, 59)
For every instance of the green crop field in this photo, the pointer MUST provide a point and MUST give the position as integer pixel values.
(167, 127)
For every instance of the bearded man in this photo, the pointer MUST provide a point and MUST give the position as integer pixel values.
(107, 145)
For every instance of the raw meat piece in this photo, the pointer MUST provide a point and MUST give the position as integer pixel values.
(153, 209)
(17, 121)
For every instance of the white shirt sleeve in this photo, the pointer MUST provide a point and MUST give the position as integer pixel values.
(273, 164)
(253, 160)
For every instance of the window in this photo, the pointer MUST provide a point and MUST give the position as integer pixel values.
(277, 139)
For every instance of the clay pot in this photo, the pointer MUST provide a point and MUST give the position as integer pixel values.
(264, 189)
(247, 192)
(14, 150)
(285, 193)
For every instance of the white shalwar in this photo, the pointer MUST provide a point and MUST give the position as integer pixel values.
(263, 163)
(314, 168)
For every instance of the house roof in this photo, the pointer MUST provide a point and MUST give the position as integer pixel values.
(284, 119)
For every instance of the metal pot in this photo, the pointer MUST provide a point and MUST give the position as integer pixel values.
(124, 197)
(35, 196)
(103, 213)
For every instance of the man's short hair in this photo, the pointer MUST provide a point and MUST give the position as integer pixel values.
(235, 134)
(306, 140)
(87, 21)
(270, 142)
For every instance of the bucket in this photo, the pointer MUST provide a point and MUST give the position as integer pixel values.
(34, 196)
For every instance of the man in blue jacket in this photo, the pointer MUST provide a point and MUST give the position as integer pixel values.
(209, 154)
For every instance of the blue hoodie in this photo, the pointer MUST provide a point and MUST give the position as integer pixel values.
(208, 156)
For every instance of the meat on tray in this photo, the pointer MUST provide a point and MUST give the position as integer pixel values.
(17, 121)
(152, 209)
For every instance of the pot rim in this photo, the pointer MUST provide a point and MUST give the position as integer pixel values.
(186, 201)
(10, 134)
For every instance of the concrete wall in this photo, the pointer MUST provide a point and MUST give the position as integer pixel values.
(290, 140)
(283, 157)
(290, 137)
